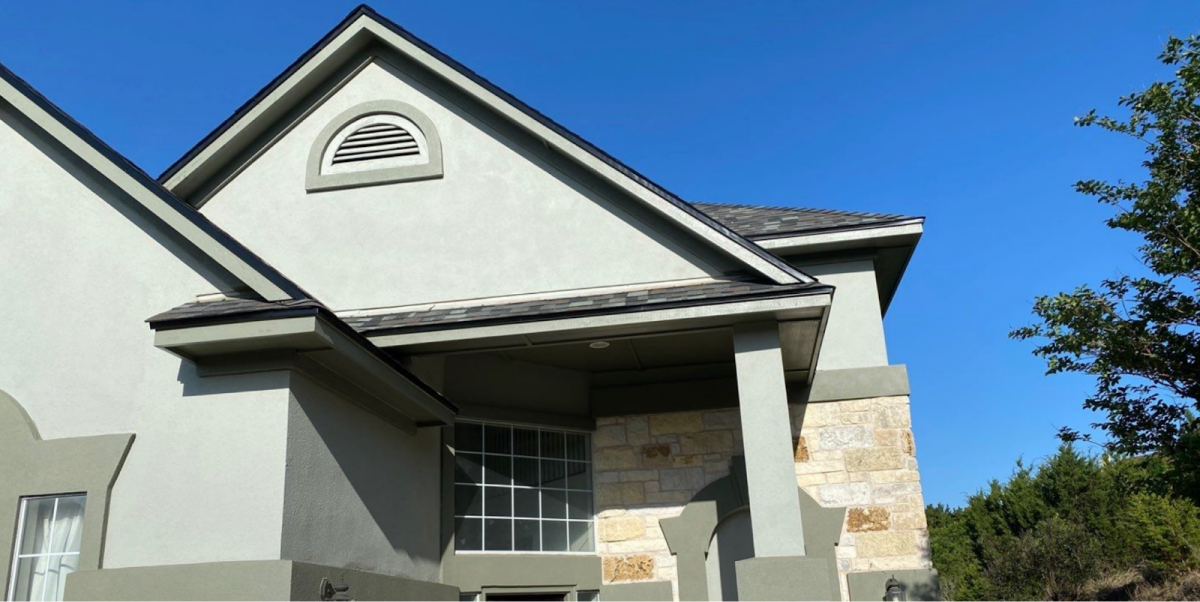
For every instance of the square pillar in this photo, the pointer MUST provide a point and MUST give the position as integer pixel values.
(767, 433)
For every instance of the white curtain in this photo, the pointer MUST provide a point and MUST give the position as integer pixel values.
(52, 536)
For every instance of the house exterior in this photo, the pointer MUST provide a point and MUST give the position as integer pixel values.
(390, 329)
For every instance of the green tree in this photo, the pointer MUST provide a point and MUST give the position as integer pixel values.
(1140, 336)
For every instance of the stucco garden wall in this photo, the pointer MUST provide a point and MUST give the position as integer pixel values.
(857, 453)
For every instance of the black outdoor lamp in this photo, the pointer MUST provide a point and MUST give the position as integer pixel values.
(334, 591)
(894, 590)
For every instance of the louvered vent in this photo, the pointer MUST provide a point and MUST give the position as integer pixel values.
(376, 141)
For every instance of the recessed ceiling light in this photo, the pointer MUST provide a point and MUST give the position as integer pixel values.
(598, 344)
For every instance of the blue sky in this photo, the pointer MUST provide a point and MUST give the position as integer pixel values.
(957, 111)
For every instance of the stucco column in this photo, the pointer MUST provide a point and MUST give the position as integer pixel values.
(767, 433)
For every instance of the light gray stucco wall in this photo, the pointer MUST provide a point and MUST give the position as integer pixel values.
(79, 273)
(854, 335)
(501, 221)
(360, 493)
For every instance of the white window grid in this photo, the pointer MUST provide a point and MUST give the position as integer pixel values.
(17, 556)
(483, 454)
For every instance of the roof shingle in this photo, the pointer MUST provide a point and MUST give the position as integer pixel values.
(758, 221)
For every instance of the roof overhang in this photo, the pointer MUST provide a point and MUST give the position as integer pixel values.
(364, 27)
(810, 307)
(306, 339)
(892, 245)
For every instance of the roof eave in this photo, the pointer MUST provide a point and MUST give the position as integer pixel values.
(319, 336)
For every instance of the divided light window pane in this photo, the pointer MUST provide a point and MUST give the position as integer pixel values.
(521, 489)
(46, 550)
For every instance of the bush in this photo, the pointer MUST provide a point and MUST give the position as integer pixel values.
(1060, 530)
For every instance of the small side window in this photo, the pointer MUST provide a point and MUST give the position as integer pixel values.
(49, 530)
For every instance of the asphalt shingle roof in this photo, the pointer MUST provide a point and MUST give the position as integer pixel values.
(436, 317)
(758, 221)
(214, 310)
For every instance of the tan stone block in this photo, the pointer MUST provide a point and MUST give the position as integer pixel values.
(639, 475)
(609, 436)
(651, 486)
(895, 476)
(826, 456)
(892, 417)
(639, 567)
(861, 477)
(855, 418)
(681, 479)
(886, 543)
(878, 458)
(679, 422)
(637, 430)
(816, 467)
(606, 420)
(722, 420)
(656, 456)
(670, 497)
(804, 480)
(621, 529)
(620, 494)
(800, 444)
(909, 521)
(678, 461)
(617, 458)
(837, 477)
(887, 437)
(893, 493)
(846, 437)
(861, 520)
(706, 443)
(634, 546)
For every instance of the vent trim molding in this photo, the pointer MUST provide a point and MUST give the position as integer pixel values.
(374, 143)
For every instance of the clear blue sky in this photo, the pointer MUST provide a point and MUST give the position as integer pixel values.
(957, 111)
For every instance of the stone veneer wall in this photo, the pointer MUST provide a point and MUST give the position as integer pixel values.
(856, 453)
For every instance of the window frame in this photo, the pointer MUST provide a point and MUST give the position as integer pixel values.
(19, 538)
(482, 485)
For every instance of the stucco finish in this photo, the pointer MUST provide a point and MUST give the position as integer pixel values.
(83, 267)
(501, 221)
(245, 580)
(360, 493)
(31, 466)
(854, 334)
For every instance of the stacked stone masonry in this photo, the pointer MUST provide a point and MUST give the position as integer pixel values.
(855, 453)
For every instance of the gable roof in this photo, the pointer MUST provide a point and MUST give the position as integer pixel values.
(178, 216)
(288, 89)
(758, 222)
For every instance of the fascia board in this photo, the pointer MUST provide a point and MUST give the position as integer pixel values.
(818, 241)
(312, 335)
(584, 325)
(171, 211)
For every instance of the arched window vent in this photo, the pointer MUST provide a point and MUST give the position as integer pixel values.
(379, 142)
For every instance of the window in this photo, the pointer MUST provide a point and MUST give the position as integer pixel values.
(522, 489)
(378, 142)
(49, 529)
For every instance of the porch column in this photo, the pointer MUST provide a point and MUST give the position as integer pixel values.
(767, 433)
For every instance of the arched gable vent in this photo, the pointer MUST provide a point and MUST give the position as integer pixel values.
(377, 142)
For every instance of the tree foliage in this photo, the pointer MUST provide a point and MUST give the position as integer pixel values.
(1053, 532)
(1140, 336)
